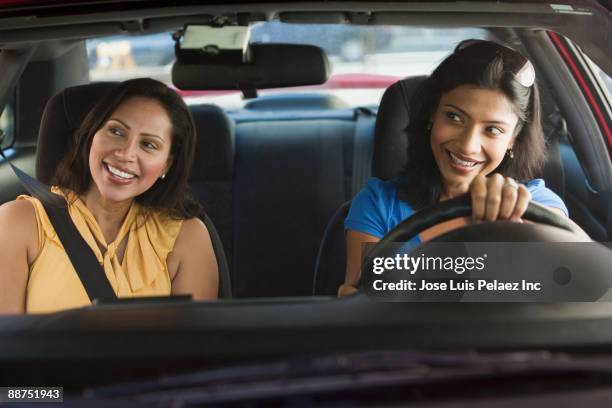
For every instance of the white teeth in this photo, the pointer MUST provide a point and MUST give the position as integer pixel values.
(119, 173)
(461, 162)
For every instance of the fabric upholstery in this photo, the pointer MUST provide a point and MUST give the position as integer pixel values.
(289, 181)
(61, 118)
(390, 141)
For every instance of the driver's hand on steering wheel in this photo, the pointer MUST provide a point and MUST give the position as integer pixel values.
(498, 198)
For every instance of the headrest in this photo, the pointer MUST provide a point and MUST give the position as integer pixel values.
(66, 110)
(61, 118)
(390, 141)
(286, 102)
(216, 144)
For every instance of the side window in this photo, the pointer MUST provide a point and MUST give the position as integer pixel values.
(7, 126)
(604, 79)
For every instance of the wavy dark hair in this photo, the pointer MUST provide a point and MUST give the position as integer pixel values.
(488, 65)
(170, 195)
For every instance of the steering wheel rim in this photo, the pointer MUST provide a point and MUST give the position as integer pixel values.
(448, 210)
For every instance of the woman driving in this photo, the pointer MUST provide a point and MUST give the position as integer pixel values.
(125, 182)
(474, 129)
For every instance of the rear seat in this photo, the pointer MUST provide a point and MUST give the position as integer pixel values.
(272, 196)
(292, 172)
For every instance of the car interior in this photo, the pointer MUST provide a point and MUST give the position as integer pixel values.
(276, 176)
(272, 175)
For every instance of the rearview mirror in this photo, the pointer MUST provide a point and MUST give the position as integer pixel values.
(223, 60)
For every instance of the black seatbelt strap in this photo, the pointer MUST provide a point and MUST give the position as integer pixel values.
(362, 148)
(604, 203)
(81, 255)
(608, 200)
(556, 173)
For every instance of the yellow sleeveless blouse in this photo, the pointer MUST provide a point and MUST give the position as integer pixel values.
(54, 285)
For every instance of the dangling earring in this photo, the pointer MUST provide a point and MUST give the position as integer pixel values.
(163, 176)
(510, 153)
(429, 126)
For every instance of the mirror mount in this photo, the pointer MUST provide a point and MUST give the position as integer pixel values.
(216, 43)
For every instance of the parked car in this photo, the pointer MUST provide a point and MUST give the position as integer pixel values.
(279, 169)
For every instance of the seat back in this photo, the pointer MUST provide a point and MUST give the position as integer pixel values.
(390, 139)
(289, 177)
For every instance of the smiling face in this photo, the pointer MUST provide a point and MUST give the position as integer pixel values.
(472, 130)
(131, 150)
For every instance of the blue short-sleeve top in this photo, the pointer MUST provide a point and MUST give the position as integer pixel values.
(376, 209)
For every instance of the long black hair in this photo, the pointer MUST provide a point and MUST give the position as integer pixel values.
(169, 195)
(488, 65)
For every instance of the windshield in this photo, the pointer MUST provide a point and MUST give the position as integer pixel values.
(415, 206)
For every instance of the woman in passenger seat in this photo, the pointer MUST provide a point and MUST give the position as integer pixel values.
(474, 129)
(125, 181)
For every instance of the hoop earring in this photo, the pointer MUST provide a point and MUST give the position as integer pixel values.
(510, 153)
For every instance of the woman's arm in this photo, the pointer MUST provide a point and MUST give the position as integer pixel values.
(197, 273)
(354, 250)
(354, 247)
(18, 244)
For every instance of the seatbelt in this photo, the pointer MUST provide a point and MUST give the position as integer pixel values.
(82, 257)
(554, 171)
(607, 198)
(602, 201)
(362, 148)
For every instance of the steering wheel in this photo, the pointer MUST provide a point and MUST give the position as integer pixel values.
(549, 227)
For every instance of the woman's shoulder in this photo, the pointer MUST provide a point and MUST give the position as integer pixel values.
(534, 184)
(18, 211)
(18, 223)
(537, 186)
(193, 234)
(193, 227)
(384, 189)
(374, 208)
(376, 194)
(175, 232)
(544, 195)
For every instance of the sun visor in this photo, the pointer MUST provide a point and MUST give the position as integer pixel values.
(268, 66)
